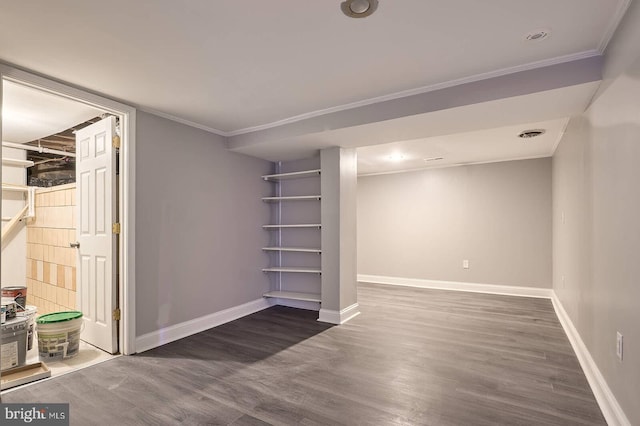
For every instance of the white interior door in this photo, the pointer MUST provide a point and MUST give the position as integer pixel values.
(96, 211)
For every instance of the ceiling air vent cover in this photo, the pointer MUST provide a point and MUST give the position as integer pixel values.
(527, 134)
(538, 35)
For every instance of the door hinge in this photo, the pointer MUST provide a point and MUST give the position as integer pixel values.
(116, 314)
(116, 142)
(115, 228)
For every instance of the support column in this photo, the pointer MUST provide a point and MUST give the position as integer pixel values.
(339, 245)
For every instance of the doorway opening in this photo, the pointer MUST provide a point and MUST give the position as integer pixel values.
(61, 153)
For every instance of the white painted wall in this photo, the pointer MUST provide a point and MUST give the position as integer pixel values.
(596, 206)
(14, 250)
(423, 224)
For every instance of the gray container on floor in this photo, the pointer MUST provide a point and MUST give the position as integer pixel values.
(14, 344)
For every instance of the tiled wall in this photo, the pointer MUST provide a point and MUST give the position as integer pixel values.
(51, 263)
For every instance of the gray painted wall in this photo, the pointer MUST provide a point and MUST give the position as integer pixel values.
(596, 246)
(198, 224)
(423, 224)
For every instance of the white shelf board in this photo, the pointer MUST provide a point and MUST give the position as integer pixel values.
(296, 249)
(16, 162)
(290, 269)
(292, 175)
(14, 187)
(292, 295)
(292, 198)
(299, 225)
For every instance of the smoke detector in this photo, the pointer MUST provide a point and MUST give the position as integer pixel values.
(359, 8)
(538, 35)
(533, 133)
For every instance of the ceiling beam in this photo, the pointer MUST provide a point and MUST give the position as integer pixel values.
(517, 84)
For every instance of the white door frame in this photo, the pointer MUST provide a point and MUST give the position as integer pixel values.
(127, 270)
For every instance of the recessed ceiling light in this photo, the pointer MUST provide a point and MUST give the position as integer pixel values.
(432, 159)
(538, 35)
(359, 8)
(395, 157)
(533, 133)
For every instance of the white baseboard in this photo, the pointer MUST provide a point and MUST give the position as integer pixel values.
(459, 286)
(187, 328)
(299, 304)
(339, 317)
(606, 400)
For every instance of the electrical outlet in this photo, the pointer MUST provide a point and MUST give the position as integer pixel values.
(619, 345)
(465, 264)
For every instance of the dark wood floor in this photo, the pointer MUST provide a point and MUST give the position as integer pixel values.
(413, 357)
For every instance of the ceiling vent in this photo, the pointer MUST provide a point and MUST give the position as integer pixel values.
(528, 134)
(359, 8)
(538, 35)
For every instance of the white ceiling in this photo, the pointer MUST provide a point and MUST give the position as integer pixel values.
(249, 69)
(496, 144)
(29, 114)
(232, 65)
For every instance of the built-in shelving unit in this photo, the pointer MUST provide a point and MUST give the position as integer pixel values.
(290, 233)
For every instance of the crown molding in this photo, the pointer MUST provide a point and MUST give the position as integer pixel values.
(182, 121)
(419, 90)
(397, 95)
(623, 5)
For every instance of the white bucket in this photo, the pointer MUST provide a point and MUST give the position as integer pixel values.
(58, 340)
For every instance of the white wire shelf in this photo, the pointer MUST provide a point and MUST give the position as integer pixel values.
(293, 249)
(292, 295)
(292, 175)
(299, 225)
(292, 198)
